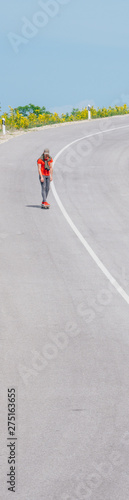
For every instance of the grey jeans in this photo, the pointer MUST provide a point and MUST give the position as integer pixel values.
(45, 186)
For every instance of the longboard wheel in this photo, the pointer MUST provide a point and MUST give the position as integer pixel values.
(44, 207)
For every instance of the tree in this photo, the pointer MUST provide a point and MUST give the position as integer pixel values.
(74, 111)
(30, 108)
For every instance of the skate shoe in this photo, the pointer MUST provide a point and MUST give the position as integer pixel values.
(46, 204)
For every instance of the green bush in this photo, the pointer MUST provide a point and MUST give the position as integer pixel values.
(30, 116)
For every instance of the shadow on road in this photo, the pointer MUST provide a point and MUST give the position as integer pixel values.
(34, 206)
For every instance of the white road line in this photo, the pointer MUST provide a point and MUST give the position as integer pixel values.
(101, 266)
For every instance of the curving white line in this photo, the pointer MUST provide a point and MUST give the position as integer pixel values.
(104, 270)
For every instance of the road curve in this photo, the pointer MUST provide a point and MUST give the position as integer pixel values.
(64, 325)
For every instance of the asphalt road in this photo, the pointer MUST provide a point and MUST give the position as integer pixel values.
(64, 327)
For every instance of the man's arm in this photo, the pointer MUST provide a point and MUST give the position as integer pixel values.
(39, 171)
(51, 171)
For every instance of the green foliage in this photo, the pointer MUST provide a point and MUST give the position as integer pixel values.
(30, 108)
(74, 111)
(30, 116)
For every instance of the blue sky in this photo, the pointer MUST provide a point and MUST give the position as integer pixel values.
(72, 52)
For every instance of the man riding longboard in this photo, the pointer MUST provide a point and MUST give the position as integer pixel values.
(45, 170)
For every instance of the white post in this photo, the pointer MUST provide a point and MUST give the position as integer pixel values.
(3, 125)
(89, 113)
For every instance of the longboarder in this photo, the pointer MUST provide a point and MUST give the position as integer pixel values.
(45, 170)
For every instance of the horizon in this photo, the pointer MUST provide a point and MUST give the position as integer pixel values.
(54, 110)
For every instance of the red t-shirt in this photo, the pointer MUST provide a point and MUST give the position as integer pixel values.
(42, 163)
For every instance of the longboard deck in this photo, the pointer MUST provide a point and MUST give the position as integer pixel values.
(44, 207)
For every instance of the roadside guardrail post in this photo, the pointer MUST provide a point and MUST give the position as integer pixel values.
(89, 112)
(3, 125)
